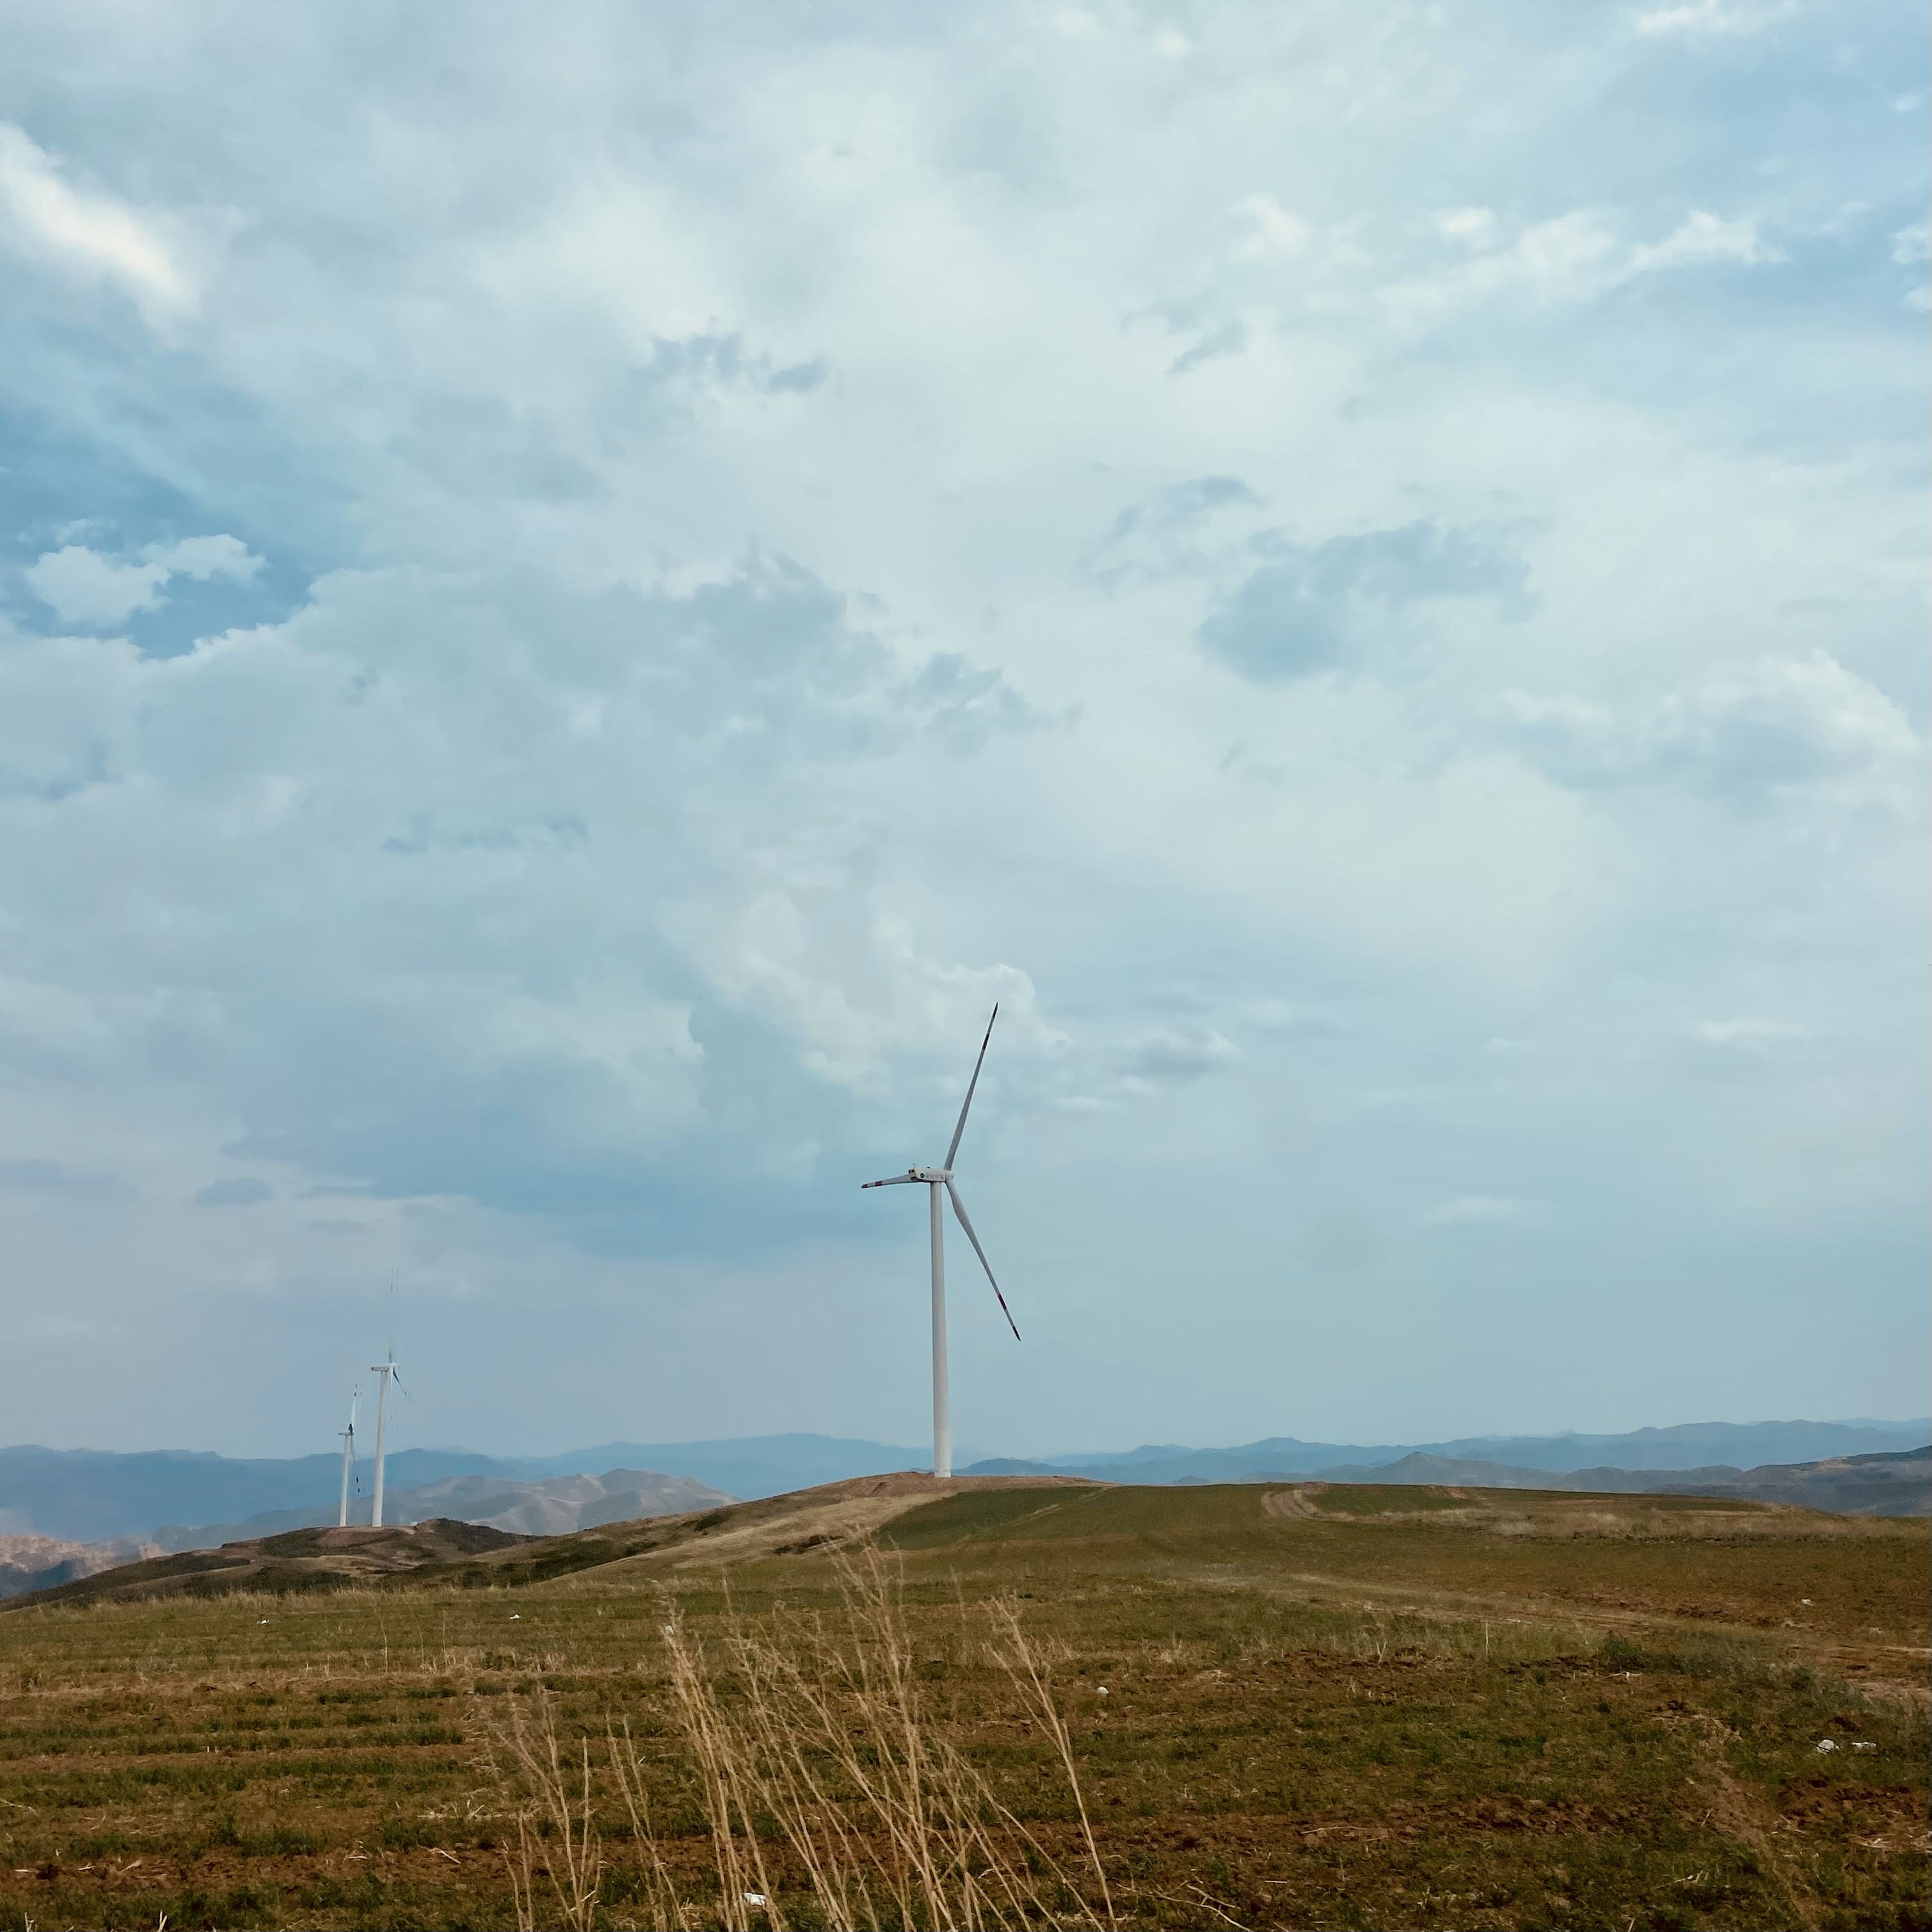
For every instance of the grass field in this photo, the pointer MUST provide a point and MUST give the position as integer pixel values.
(1286, 1706)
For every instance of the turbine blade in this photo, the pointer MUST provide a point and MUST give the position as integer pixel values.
(967, 1103)
(959, 1208)
(890, 1180)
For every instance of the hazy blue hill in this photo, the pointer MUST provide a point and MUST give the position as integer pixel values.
(97, 1496)
(749, 1466)
(1148, 1452)
(93, 1495)
(534, 1506)
(1693, 1445)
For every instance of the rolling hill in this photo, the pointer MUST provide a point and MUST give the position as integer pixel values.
(443, 1552)
(468, 1555)
(1898, 1482)
(546, 1506)
(96, 1496)
(1579, 1708)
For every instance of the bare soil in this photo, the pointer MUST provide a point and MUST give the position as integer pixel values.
(1321, 1708)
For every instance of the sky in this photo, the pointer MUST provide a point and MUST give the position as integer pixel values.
(582, 591)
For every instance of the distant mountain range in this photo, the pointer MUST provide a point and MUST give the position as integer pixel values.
(97, 1496)
(1891, 1483)
(544, 1506)
(28, 1563)
(611, 1518)
(1688, 1446)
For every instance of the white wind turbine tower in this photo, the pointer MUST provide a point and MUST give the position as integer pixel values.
(348, 1458)
(938, 1179)
(387, 1370)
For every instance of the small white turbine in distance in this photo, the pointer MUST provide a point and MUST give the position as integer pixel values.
(387, 1370)
(348, 1458)
(937, 1180)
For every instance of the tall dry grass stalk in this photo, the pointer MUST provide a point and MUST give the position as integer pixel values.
(552, 1816)
(1025, 1666)
(828, 1791)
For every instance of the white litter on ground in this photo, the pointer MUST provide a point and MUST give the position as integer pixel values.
(1828, 1744)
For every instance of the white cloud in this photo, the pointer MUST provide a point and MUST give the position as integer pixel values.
(767, 490)
(1487, 1211)
(1472, 226)
(1572, 258)
(1172, 1054)
(1773, 727)
(1750, 1035)
(84, 586)
(856, 1001)
(1703, 238)
(453, 767)
(1292, 1017)
(1910, 246)
(1270, 230)
(91, 233)
(1718, 19)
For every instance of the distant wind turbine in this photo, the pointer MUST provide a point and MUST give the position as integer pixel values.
(938, 1179)
(387, 1370)
(348, 1458)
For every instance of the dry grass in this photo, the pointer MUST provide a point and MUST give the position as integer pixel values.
(829, 1794)
(1366, 1718)
(1745, 1818)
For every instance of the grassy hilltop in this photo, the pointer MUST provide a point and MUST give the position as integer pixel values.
(1323, 1705)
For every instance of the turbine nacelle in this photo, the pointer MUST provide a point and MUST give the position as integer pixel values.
(934, 1177)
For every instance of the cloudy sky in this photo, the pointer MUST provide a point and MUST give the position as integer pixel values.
(581, 592)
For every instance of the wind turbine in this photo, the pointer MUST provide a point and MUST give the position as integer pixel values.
(387, 1370)
(937, 1180)
(348, 1458)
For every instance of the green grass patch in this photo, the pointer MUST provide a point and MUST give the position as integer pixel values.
(1476, 1718)
(1058, 1514)
(1381, 1499)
